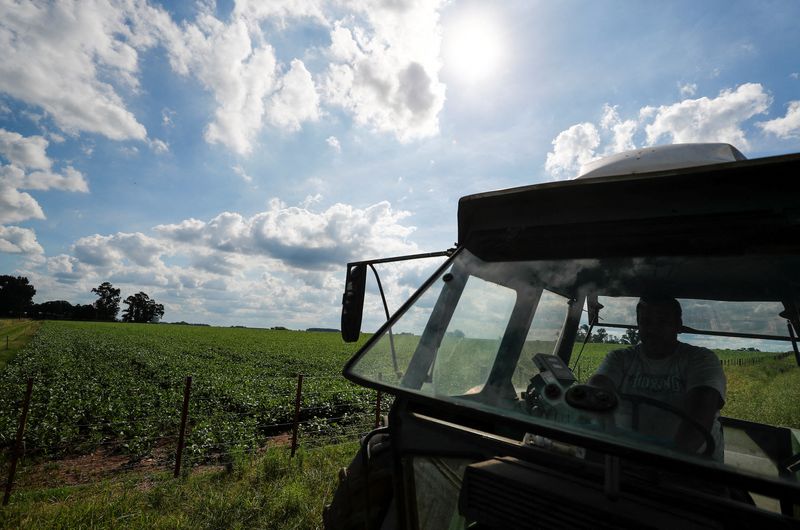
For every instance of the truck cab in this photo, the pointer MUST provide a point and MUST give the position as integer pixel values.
(494, 423)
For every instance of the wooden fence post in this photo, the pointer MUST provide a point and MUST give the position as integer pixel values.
(295, 423)
(18, 445)
(182, 435)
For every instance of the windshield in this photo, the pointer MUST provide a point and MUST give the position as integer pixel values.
(688, 356)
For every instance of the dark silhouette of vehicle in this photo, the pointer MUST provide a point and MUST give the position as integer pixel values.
(493, 424)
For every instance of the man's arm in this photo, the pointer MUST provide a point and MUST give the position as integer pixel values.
(702, 404)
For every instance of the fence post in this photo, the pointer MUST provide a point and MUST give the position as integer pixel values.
(182, 435)
(297, 400)
(378, 410)
(18, 445)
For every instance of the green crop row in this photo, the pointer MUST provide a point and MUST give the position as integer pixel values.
(122, 385)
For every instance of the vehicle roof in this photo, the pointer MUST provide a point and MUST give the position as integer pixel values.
(661, 157)
(740, 207)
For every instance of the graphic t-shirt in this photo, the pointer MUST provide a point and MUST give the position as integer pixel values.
(666, 380)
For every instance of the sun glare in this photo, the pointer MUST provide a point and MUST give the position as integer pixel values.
(473, 48)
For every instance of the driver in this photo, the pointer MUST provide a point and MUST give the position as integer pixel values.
(686, 377)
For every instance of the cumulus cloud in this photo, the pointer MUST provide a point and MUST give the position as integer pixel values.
(16, 240)
(58, 57)
(239, 74)
(386, 67)
(29, 168)
(299, 237)
(718, 119)
(77, 61)
(24, 152)
(710, 119)
(571, 149)
(786, 127)
(296, 100)
(118, 249)
(235, 62)
(282, 266)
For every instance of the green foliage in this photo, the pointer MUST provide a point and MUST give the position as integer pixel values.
(122, 386)
(16, 295)
(270, 491)
(142, 309)
(107, 303)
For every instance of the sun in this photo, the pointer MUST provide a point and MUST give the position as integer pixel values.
(473, 47)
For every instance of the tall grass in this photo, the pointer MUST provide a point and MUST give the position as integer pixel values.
(269, 491)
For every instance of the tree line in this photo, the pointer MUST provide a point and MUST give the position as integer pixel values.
(631, 336)
(16, 301)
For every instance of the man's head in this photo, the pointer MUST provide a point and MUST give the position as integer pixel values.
(659, 321)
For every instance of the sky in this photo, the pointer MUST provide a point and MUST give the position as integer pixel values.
(230, 158)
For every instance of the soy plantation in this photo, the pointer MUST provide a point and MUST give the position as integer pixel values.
(122, 386)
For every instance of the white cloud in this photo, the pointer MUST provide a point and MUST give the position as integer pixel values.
(622, 131)
(30, 168)
(115, 250)
(719, 119)
(688, 89)
(386, 68)
(239, 74)
(158, 146)
(17, 206)
(710, 120)
(786, 127)
(235, 62)
(239, 170)
(296, 100)
(25, 152)
(299, 237)
(571, 149)
(795, 75)
(282, 266)
(59, 56)
(16, 240)
(333, 142)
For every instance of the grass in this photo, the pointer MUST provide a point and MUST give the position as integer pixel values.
(14, 335)
(268, 491)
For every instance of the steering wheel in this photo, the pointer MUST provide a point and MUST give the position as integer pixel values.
(637, 400)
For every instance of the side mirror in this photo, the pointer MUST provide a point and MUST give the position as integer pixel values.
(353, 301)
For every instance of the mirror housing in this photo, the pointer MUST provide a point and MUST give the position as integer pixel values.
(353, 301)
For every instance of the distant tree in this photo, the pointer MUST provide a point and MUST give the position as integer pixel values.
(600, 335)
(582, 331)
(631, 336)
(16, 295)
(142, 309)
(107, 303)
(52, 310)
(84, 312)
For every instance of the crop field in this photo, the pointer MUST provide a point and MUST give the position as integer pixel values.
(115, 390)
(120, 386)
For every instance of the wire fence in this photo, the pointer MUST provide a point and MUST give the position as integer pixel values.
(310, 411)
